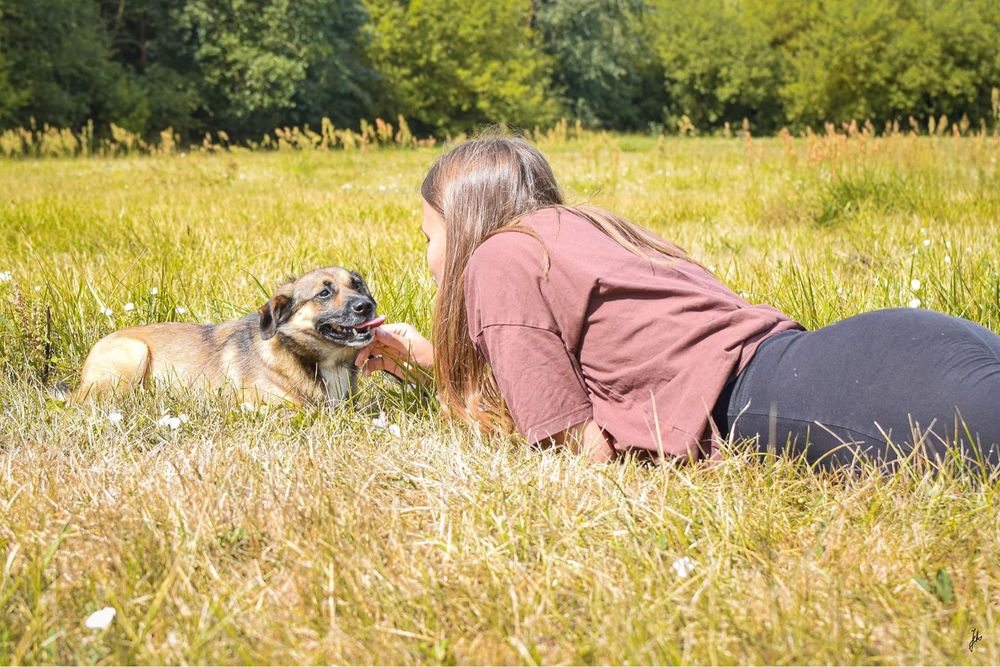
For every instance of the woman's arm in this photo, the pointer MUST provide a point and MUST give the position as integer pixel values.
(588, 439)
(399, 348)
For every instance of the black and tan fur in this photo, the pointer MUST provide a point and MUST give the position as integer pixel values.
(299, 347)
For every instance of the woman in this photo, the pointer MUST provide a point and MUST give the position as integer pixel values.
(575, 325)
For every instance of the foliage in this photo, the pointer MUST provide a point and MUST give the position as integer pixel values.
(261, 66)
(886, 61)
(56, 66)
(244, 68)
(806, 63)
(604, 69)
(453, 66)
(718, 62)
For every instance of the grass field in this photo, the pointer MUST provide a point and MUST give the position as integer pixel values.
(319, 536)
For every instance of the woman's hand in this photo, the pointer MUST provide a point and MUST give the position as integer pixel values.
(398, 349)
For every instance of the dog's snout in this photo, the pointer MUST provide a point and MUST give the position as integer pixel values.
(363, 307)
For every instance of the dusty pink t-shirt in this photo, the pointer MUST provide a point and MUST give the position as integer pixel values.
(643, 350)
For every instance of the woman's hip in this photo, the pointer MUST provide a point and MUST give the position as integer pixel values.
(889, 374)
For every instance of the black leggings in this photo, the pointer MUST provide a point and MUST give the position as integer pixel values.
(827, 392)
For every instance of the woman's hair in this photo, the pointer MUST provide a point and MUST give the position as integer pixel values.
(483, 187)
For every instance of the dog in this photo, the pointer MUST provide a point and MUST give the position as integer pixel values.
(298, 348)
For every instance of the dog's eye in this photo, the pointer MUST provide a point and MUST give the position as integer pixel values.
(356, 283)
(325, 294)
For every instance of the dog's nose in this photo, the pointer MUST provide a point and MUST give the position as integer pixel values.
(363, 307)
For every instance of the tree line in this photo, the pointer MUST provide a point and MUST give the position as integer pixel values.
(249, 66)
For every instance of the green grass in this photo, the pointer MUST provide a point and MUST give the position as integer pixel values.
(314, 536)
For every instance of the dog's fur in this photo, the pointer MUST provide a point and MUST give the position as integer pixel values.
(289, 351)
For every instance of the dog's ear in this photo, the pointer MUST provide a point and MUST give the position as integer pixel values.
(273, 314)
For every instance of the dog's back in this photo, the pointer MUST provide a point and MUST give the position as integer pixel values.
(173, 352)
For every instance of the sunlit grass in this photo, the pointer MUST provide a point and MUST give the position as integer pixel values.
(318, 536)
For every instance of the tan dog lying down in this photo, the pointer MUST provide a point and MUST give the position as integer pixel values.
(299, 347)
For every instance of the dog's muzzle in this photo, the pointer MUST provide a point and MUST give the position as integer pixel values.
(356, 334)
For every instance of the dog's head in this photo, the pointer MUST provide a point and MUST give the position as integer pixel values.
(326, 308)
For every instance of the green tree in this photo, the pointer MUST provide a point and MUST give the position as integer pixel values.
(857, 60)
(886, 61)
(604, 67)
(966, 56)
(148, 41)
(452, 66)
(719, 61)
(56, 65)
(261, 65)
(243, 67)
(10, 99)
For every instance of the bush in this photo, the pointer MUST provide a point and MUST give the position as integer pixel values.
(453, 66)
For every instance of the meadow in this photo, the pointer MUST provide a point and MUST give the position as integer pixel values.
(339, 535)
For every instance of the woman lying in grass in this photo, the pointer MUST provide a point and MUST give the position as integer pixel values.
(573, 324)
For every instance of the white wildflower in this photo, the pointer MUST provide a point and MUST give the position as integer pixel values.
(153, 291)
(683, 566)
(914, 284)
(129, 307)
(180, 310)
(914, 302)
(5, 276)
(107, 312)
(347, 186)
(947, 259)
(927, 242)
(840, 290)
(100, 619)
(248, 407)
(167, 420)
(115, 417)
(184, 418)
(947, 244)
(381, 421)
(395, 430)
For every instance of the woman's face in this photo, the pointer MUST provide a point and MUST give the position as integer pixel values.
(433, 229)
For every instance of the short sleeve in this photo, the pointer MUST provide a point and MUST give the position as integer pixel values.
(538, 378)
(504, 283)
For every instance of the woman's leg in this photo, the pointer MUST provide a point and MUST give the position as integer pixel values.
(848, 386)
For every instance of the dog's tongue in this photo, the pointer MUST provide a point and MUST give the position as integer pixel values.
(370, 324)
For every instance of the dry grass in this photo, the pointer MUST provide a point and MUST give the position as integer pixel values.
(315, 537)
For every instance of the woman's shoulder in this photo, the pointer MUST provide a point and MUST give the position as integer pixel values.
(553, 217)
(516, 245)
(507, 256)
(538, 226)
(504, 282)
(524, 250)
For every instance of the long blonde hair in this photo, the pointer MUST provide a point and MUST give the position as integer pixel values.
(483, 187)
